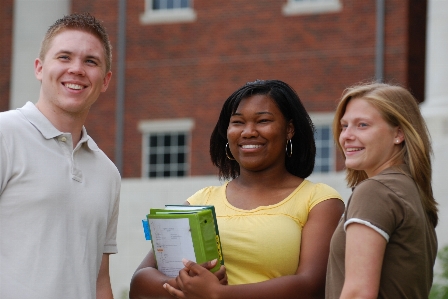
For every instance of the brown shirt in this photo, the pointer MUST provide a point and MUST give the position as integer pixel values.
(389, 203)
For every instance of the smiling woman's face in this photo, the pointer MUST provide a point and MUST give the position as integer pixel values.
(368, 141)
(257, 134)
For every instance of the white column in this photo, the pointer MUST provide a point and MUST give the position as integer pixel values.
(435, 107)
(437, 54)
(31, 20)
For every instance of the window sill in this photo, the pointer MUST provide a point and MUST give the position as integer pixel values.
(166, 125)
(298, 8)
(184, 15)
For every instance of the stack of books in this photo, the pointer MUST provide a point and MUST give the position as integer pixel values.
(183, 231)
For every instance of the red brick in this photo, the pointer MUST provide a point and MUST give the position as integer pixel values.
(189, 69)
(6, 23)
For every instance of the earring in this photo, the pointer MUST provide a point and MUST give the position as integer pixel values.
(397, 141)
(227, 155)
(289, 142)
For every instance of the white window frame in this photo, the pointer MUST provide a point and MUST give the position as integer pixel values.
(164, 126)
(171, 15)
(300, 7)
(326, 119)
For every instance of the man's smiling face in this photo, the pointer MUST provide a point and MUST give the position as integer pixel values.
(73, 73)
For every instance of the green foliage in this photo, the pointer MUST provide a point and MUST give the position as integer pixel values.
(439, 289)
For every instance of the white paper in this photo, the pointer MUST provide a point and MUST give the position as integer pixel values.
(172, 241)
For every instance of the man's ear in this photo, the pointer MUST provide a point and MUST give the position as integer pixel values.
(38, 64)
(106, 81)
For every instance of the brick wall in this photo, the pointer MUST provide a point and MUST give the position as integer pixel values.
(6, 22)
(188, 69)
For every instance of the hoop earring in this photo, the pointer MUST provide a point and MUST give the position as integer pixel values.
(289, 142)
(227, 155)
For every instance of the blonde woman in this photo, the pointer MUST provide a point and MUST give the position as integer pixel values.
(385, 244)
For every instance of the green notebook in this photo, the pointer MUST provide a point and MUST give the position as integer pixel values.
(183, 231)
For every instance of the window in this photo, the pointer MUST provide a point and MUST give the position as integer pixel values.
(325, 156)
(295, 7)
(168, 11)
(166, 148)
(167, 155)
(324, 149)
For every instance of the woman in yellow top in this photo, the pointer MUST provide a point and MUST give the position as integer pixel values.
(275, 225)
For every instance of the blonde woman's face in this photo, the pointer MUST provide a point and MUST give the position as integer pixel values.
(368, 141)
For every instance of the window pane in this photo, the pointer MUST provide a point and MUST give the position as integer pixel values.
(167, 140)
(166, 158)
(324, 148)
(325, 133)
(181, 140)
(153, 141)
(181, 158)
(156, 4)
(185, 3)
(170, 4)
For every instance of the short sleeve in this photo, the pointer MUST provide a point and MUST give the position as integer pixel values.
(321, 193)
(111, 234)
(200, 197)
(374, 204)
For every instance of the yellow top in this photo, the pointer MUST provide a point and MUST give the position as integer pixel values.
(262, 243)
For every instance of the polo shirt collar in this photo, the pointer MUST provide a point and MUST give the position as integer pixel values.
(46, 128)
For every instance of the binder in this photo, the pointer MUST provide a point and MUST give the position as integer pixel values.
(184, 231)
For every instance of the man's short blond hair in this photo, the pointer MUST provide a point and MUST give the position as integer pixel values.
(84, 22)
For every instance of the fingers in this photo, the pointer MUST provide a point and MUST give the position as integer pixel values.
(192, 268)
(179, 282)
(210, 264)
(221, 274)
(172, 282)
(173, 291)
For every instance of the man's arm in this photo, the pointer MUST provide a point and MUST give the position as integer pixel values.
(103, 287)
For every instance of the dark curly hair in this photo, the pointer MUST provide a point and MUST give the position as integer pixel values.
(84, 22)
(301, 163)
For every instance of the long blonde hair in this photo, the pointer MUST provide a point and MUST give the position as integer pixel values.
(399, 109)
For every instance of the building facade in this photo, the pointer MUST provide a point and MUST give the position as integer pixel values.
(183, 58)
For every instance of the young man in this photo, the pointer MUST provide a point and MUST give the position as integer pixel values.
(59, 193)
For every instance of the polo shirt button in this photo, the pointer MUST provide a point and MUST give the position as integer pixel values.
(63, 139)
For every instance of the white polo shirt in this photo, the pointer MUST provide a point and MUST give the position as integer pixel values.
(58, 209)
